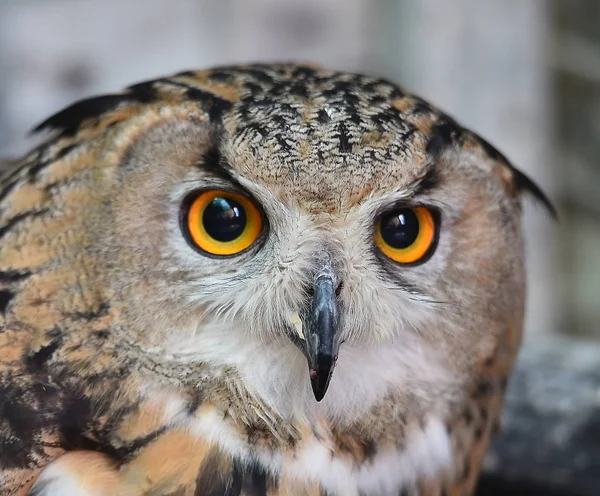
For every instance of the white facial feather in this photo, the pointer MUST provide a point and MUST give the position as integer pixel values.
(246, 316)
(244, 311)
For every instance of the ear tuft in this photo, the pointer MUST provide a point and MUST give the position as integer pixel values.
(521, 182)
(524, 184)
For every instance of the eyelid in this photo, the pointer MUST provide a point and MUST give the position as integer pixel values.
(407, 203)
(211, 184)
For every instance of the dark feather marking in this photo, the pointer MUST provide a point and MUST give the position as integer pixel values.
(187, 73)
(197, 398)
(234, 487)
(298, 88)
(345, 146)
(11, 169)
(220, 75)
(323, 117)
(5, 298)
(303, 72)
(77, 420)
(258, 482)
(490, 150)
(370, 449)
(26, 411)
(20, 218)
(129, 450)
(256, 127)
(92, 315)
(467, 415)
(478, 433)
(524, 183)
(389, 270)
(428, 182)
(446, 133)
(69, 120)
(36, 361)
(213, 162)
(396, 92)
(421, 107)
(484, 387)
(144, 92)
(216, 106)
(74, 419)
(102, 334)
(250, 478)
(212, 480)
(7, 188)
(320, 156)
(13, 275)
(258, 73)
(42, 164)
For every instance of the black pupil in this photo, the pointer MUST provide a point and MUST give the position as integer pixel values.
(400, 228)
(224, 219)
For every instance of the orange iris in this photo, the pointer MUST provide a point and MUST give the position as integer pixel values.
(406, 235)
(223, 223)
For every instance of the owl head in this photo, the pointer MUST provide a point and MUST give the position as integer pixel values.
(280, 222)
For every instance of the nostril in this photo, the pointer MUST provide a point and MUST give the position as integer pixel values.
(309, 291)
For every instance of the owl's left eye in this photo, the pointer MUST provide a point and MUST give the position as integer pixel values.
(222, 223)
(407, 235)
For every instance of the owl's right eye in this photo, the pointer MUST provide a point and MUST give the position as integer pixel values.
(222, 223)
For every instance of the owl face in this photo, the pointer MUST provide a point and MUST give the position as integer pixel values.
(284, 222)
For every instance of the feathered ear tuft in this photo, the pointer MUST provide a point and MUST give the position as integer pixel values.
(68, 120)
(524, 184)
(521, 182)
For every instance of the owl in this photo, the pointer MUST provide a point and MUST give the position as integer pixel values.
(269, 279)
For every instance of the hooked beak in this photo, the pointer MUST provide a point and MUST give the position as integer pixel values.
(319, 324)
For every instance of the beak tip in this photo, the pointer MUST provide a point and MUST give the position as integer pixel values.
(318, 390)
(319, 397)
(320, 382)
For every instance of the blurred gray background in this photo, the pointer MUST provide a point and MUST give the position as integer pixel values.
(523, 73)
